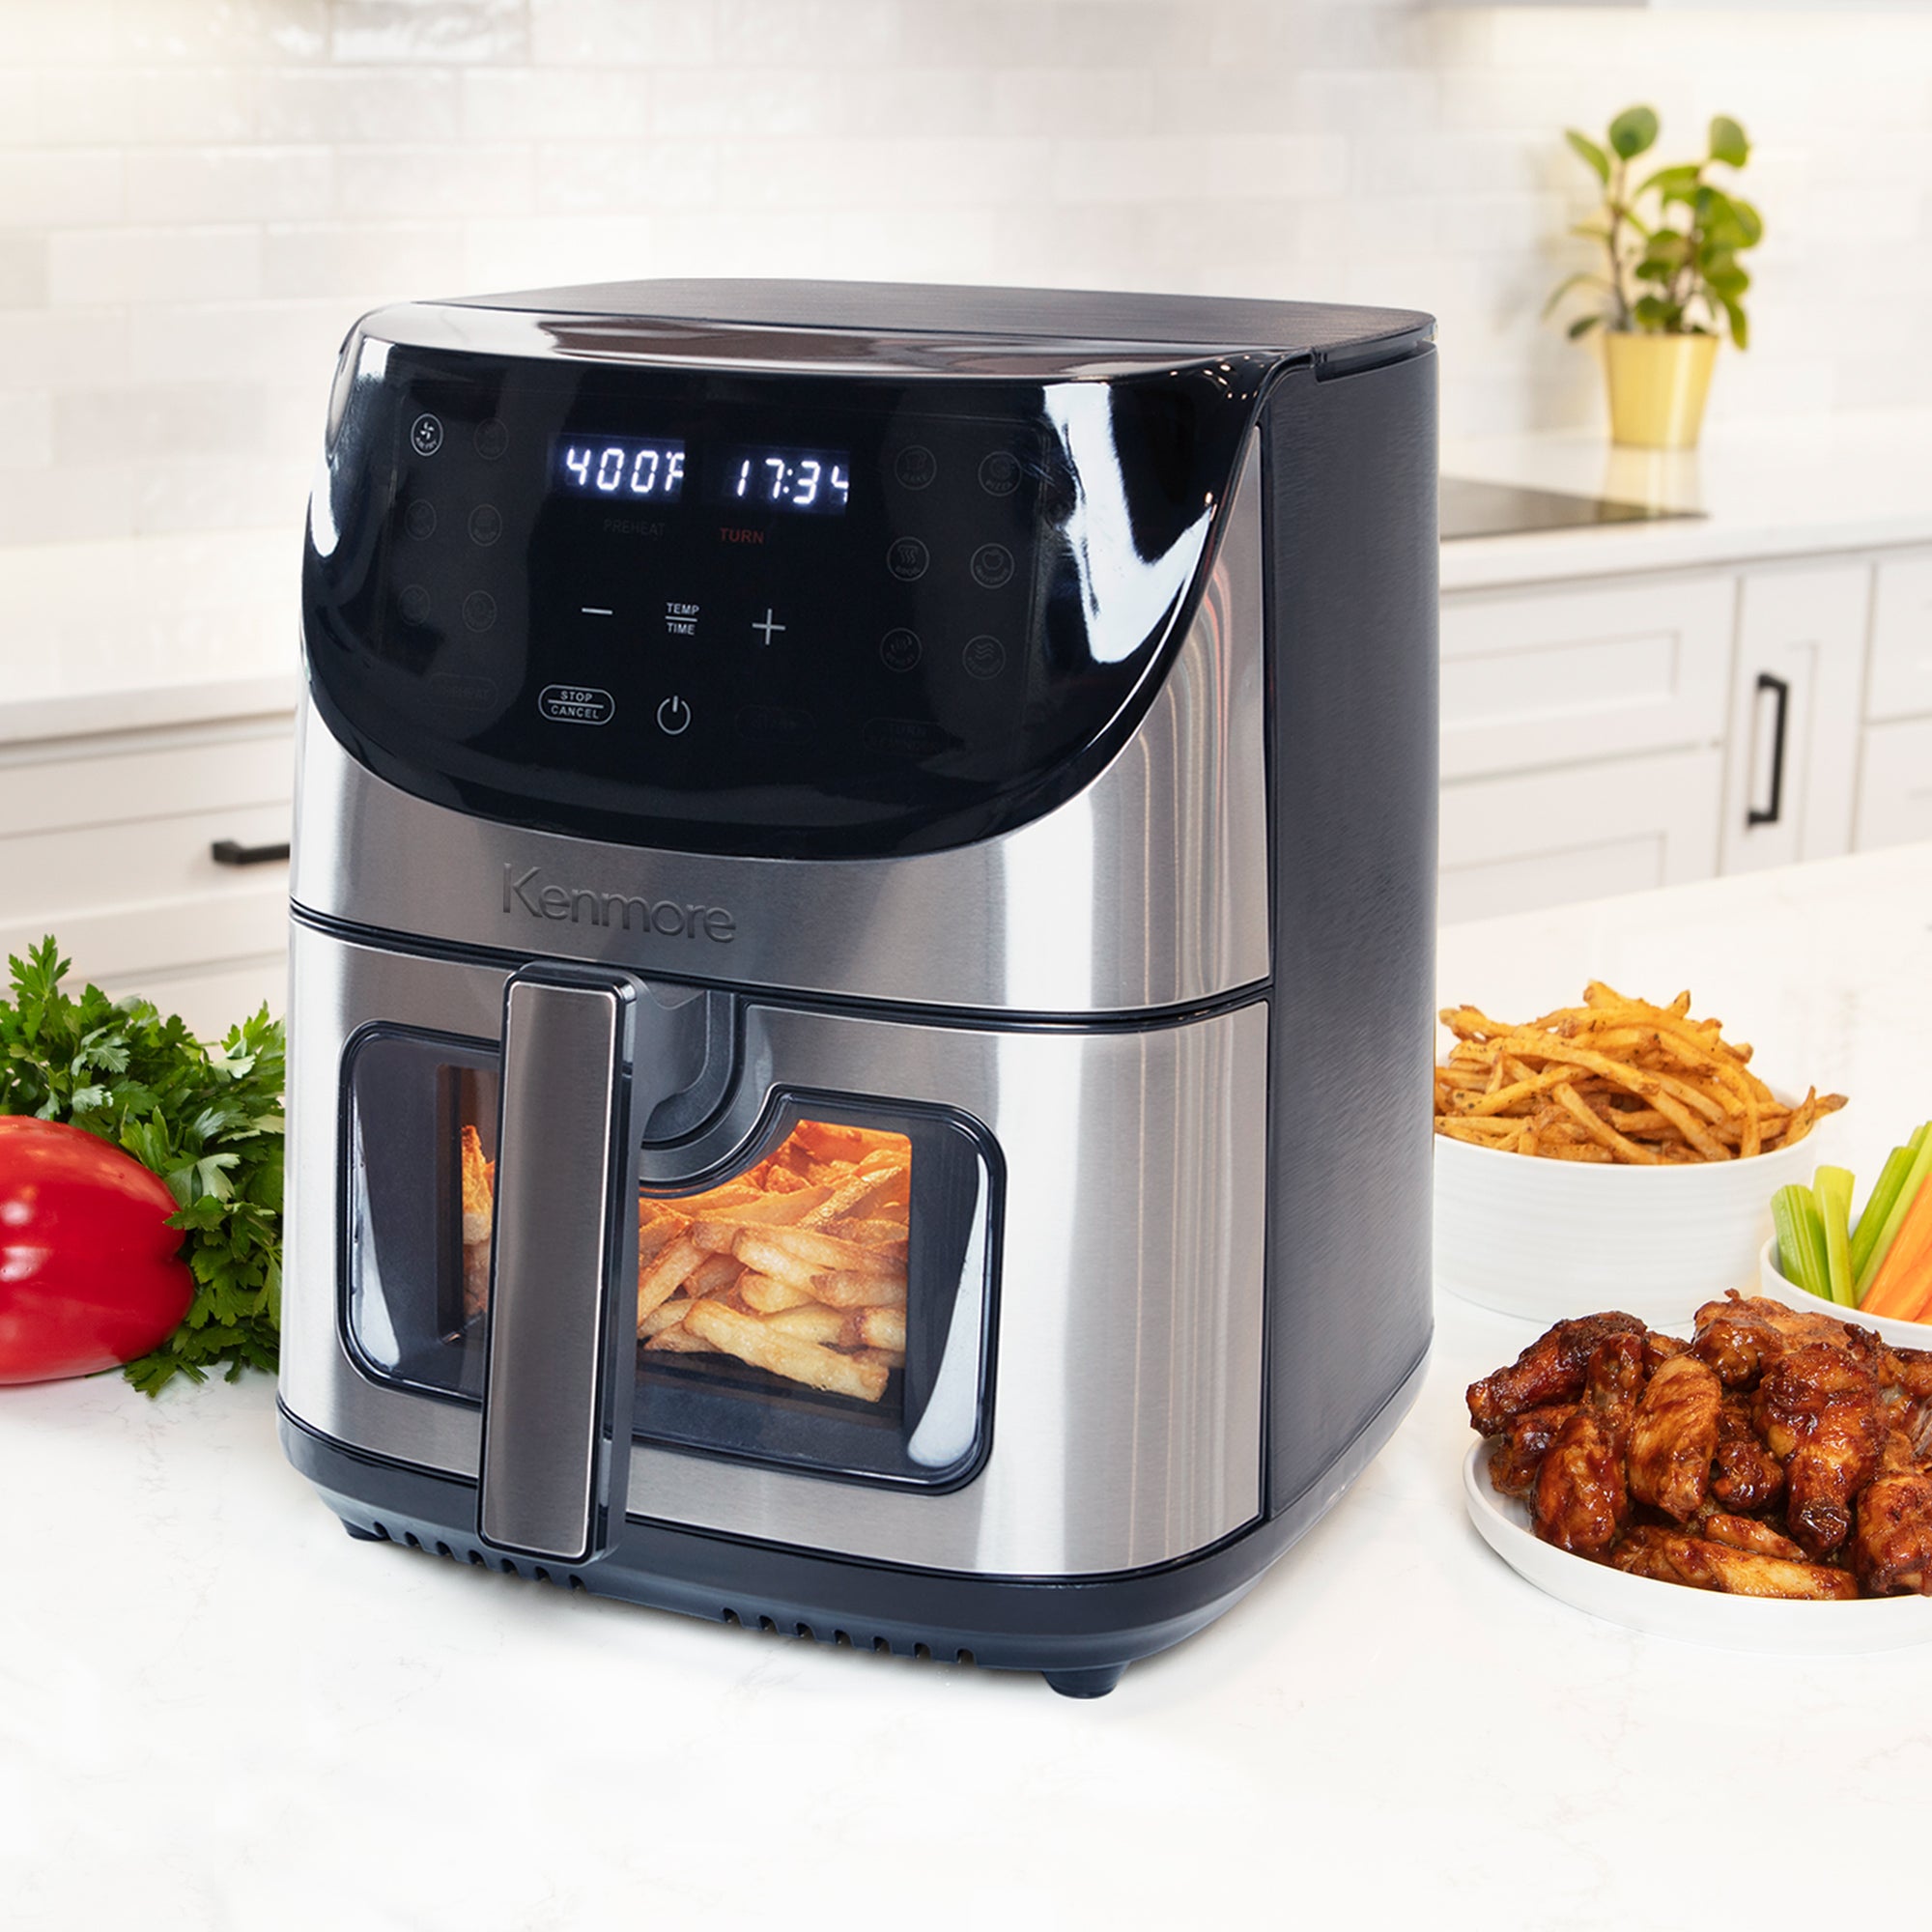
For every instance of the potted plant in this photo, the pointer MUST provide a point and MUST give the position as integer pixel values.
(1675, 282)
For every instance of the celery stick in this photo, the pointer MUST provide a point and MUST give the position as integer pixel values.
(1832, 1187)
(1800, 1239)
(1915, 1178)
(1878, 1204)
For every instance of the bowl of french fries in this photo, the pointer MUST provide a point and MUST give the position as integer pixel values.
(1616, 1149)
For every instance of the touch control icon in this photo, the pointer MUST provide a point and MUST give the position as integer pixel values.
(915, 466)
(486, 525)
(492, 438)
(415, 602)
(992, 567)
(907, 559)
(576, 704)
(999, 474)
(479, 610)
(898, 650)
(419, 518)
(673, 715)
(985, 657)
(426, 435)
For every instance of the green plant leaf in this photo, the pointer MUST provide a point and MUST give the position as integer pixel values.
(1599, 161)
(1677, 182)
(1740, 328)
(1582, 278)
(1633, 131)
(1658, 316)
(1583, 326)
(1748, 221)
(1727, 142)
(1589, 232)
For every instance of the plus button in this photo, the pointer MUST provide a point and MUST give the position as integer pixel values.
(766, 625)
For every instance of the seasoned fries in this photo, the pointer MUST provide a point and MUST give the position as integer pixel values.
(1613, 1080)
(797, 1266)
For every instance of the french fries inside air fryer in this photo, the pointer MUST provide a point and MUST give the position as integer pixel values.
(797, 1265)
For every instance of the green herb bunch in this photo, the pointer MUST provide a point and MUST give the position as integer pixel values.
(1672, 241)
(209, 1121)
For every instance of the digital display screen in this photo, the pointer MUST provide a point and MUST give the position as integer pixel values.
(763, 476)
(633, 467)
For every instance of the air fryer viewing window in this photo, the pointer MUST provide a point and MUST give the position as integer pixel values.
(823, 1306)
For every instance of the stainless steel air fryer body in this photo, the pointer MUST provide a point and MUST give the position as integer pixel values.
(974, 742)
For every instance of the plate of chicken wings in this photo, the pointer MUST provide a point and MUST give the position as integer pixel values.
(1720, 1486)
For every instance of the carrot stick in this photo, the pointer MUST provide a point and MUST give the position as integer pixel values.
(1911, 1248)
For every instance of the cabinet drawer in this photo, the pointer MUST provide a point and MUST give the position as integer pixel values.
(1535, 679)
(1901, 639)
(140, 774)
(1510, 844)
(93, 868)
(1896, 785)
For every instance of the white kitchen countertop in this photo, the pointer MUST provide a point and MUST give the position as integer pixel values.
(215, 1711)
(1769, 489)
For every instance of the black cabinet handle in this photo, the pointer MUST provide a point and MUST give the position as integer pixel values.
(232, 852)
(1771, 813)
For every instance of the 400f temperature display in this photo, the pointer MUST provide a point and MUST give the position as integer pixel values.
(628, 466)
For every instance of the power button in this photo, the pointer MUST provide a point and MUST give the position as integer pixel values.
(673, 715)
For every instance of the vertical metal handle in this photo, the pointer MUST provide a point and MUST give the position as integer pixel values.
(558, 1378)
(1772, 812)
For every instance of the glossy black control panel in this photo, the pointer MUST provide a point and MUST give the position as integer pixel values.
(783, 614)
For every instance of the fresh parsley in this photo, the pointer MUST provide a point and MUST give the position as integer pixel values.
(207, 1119)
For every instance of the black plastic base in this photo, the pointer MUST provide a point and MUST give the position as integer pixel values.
(1081, 1633)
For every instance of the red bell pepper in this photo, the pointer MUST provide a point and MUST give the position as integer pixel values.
(90, 1271)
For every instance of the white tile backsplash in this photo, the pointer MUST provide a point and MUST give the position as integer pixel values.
(198, 197)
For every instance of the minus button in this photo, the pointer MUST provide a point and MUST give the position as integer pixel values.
(595, 611)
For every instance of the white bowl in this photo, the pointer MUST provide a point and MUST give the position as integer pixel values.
(1781, 1286)
(1675, 1609)
(1547, 1240)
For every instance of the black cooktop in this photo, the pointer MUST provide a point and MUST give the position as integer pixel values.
(1471, 509)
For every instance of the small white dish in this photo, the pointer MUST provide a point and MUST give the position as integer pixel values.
(1548, 1238)
(1675, 1611)
(1779, 1287)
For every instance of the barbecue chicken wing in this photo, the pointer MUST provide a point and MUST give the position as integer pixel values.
(1745, 1532)
(1672, 1557)
(1520, 1445)
(1745, 1475)
(1817, 1407)
(1550, 1370)
(1892, 1550)
(1742, 1335)
(1674, 1437)
(1582, 1501)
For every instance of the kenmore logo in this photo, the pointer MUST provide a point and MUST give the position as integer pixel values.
(581, 906)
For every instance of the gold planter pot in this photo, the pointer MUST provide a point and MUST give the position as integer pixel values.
(1657, 386)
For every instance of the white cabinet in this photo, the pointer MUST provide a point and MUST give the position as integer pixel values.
(1792, 749)
(1608, 734)
(1618, 825)
(108, 842)
(1895, 776)
(1537, 678)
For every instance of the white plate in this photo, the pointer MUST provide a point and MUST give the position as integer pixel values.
(1676, 1610)
(1779, 1287)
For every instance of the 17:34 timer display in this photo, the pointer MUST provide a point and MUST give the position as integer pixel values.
(815, 482)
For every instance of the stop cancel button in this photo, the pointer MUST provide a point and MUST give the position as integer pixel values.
(576, 704)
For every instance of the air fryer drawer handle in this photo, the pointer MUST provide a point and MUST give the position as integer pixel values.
(559, 1368)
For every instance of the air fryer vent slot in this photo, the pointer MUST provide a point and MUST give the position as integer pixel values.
(769, 1625)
